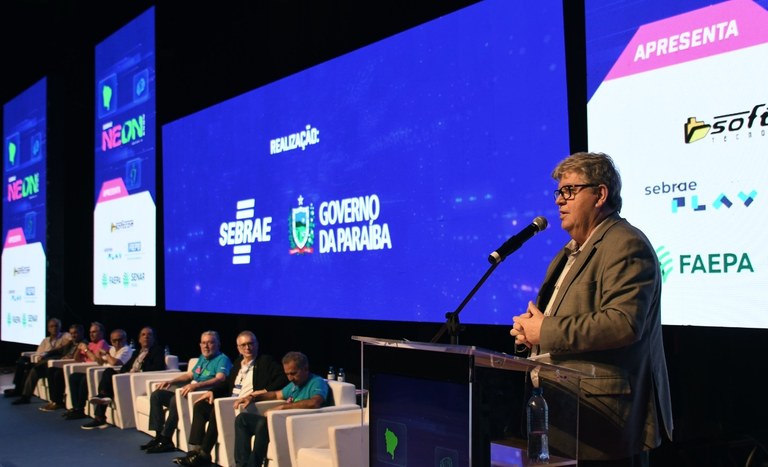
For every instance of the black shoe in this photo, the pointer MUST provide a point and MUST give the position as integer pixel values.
(12, 392)
(21, 400)
(152, 443)
(163, 445)
(183, 460)
(75, 414)
(199, 459)
(95, 424)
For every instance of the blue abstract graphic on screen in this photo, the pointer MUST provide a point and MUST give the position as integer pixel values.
(375, 185)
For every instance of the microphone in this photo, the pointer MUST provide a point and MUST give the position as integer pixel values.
(516, 241)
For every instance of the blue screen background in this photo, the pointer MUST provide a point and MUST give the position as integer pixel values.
(126, 62)
(24, 125)
(455, 125)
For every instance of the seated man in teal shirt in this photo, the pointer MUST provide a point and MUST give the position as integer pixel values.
(209, 374)
(304, 391)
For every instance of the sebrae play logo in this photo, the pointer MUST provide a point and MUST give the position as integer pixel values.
(301, 226)
(720, 201)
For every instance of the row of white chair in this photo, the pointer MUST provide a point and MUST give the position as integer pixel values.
(335, 435)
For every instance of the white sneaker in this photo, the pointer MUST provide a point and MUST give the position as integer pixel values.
(103, 400)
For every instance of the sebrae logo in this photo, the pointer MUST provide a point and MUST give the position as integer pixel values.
(243, 232)
(302, 228)
(746, 123)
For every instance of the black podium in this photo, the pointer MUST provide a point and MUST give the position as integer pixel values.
(446, 405)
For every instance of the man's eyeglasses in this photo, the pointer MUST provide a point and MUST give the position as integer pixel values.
(246, 344)
(569, 191)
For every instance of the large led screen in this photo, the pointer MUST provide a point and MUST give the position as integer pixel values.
(375, 185)
(24, 217)
(675, 97)
(124, 218)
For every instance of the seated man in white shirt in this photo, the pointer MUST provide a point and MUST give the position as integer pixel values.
(119, 353)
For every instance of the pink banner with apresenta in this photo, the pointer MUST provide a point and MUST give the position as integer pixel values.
(709, 31)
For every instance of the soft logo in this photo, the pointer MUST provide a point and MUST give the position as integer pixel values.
(302, 228)
(720, 201)
(121, 225)
(695, 130)
(21, 270)
(728, 123)
(243, 232)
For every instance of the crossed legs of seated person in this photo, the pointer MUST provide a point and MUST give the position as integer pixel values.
(201, 439)
(102, 400)
(247, 425)
(163, 426)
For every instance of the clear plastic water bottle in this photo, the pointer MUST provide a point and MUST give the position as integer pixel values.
(538, 428)
(132, 344)
(331, 373)
(341, 376)
(167, 350)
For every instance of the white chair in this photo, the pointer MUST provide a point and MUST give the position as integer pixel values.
(343, 396)
(58, 363)
(223, 453)
(329, 439)
(121, 411)
(142, 385)
(93, 376)
(69, 369)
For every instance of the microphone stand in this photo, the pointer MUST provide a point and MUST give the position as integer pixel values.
(452, 325)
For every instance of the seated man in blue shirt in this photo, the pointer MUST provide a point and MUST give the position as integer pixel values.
(209, 373)
(304, 391)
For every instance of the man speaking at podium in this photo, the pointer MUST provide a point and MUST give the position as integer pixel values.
(599, 309)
